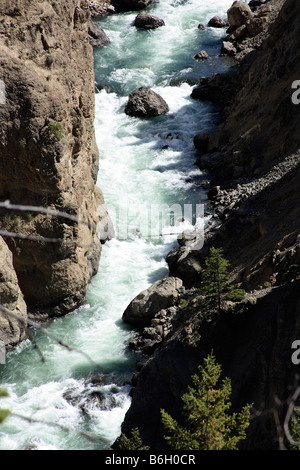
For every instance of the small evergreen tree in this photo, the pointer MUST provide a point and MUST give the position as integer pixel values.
(209, 426)
(215, 276)
(134, 442)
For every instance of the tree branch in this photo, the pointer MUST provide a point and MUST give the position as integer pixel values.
(39, 327)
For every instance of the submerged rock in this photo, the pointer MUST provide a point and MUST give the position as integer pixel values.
(146, 21)
(201, 55)
(144, 102)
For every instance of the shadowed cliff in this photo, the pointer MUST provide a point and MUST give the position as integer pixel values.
(253, 161)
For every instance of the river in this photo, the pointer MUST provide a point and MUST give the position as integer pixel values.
(143, 164)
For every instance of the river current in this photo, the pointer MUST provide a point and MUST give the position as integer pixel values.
(144, 164)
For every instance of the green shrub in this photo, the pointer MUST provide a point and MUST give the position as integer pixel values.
(56, 129)
(23, 143)
(236, 295)
(292, 273)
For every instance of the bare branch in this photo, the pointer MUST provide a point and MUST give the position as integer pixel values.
(39, 327)
(89, 436)
(37, 238)
(44, 210)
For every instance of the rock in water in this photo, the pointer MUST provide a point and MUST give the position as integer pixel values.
(97, 36)
(217, 22)
(161, 295)
(146, 21)
(144, 102)
(201, 55)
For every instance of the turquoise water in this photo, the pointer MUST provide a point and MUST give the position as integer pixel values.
(144, 164)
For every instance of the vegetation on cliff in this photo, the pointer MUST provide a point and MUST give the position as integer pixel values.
(206, 409)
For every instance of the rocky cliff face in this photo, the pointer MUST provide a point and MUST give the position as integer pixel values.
(11, 330)
(252, 345)
(48, 153)
(253, 161)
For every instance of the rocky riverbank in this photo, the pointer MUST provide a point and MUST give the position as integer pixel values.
(48, 155)
(252, 160)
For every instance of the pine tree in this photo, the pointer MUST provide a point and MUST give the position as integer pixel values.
(215, 276)
(134, 442)
(209, 426)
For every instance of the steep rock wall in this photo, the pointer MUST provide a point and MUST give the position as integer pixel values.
(254, 159)
(48, 153)
(11, 329)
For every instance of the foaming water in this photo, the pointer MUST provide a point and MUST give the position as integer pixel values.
(143, 163)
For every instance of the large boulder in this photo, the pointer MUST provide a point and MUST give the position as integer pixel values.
(146, 21)
(160, 295)
(238, 14)
(144, 102)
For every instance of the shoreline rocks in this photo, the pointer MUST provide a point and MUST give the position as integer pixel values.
(97, 36)
(99, 8)
(256, 158)
(217, 22)
(160, 295)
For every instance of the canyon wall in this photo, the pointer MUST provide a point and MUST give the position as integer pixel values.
(48, 151)
(252, 160)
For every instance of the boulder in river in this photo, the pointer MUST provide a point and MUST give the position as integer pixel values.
(146, 21)
(160, 295)
(144, 102)
(217, 22)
